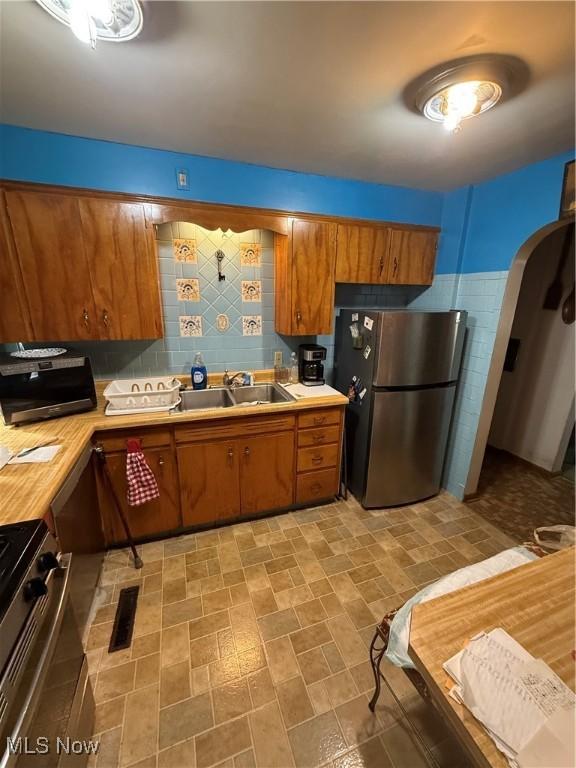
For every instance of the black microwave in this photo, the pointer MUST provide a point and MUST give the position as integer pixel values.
(44, 388)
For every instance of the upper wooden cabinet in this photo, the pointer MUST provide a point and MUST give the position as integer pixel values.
(48, 239)
(88, 266)
(305, 264)
(385, 255)
(121, 254)
(362, 254)
(412, 257)
(15, 324)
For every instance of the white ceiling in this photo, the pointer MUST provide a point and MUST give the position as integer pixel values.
(308, 86)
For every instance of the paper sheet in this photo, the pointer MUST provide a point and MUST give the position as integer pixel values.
(518, 699)
(553, 745)
(39, 456)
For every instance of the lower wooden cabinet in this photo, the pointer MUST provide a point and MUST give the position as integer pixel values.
(209, 481)
(229, 478)
(224, 469)
(267, 473)
(150, 519)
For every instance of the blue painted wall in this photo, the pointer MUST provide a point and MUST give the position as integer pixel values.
(505, 211)
(53, 158)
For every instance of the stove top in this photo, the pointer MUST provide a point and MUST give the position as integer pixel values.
(19, 543)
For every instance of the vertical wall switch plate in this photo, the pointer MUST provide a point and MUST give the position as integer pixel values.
(277, 358)
(182, 178)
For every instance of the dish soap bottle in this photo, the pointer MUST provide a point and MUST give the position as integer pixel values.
(293, 368)
(199, 374)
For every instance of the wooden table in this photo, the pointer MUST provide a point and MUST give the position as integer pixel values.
(534, 603)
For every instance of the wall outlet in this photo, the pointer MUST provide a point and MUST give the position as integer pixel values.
(277, 359)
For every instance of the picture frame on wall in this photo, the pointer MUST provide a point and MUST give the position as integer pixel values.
(568, 199)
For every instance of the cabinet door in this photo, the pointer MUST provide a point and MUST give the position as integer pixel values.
(267, 472)
(151, 518)
(209, 481)
(362, 254)
(48, 238)
(123, 266)
(313, 268)
(412, 257)
(15, 324)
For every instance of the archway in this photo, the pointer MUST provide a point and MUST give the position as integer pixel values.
(508, 311)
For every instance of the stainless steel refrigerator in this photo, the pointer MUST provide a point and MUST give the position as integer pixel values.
(400, 370)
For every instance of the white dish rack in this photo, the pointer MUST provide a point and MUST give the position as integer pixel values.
(157, 393)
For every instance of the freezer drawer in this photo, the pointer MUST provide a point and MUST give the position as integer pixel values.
(407, 445)
(418, 348)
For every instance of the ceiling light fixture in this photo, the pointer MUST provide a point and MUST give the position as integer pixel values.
(459, 90)
(91, 20)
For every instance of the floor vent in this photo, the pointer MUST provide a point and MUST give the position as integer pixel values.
(124, 620)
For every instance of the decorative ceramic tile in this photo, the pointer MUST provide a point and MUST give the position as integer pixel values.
(184, 249)
(252, 325)
(251, 290)
(188, 289)
(250, 254)
(222, 323)
(190, 325)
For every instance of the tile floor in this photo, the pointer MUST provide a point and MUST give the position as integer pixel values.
(251, 642)
(518, 498)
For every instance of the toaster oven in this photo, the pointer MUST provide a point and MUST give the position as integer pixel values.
(33, 390)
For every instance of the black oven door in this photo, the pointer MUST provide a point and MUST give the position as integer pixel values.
(49, 708)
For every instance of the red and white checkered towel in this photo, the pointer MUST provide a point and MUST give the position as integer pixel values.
(142, 485)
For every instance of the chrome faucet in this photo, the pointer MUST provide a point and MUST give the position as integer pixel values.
(232, 381)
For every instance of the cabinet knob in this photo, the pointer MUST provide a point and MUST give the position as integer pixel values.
(105, 318)
(230, 455)
(161, 461)
(246, 451)
(298, 317)
(381, 264)
(85, 317)
(395, 269)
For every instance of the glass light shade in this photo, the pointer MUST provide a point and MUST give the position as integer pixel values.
(461, 101)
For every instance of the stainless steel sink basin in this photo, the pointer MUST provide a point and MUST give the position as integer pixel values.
(196, 399)
(260, 394)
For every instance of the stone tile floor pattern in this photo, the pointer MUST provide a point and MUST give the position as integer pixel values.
(518, 498)
(250, 644)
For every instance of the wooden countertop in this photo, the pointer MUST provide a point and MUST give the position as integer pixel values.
(26, 490)
(534, 603)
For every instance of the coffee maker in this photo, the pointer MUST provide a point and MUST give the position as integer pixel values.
(311, 370)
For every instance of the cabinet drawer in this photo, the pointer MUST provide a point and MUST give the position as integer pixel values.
(319, 436)
(314, 486)
(116, 441)
(320, 418)
(227, 428)
(318, 457)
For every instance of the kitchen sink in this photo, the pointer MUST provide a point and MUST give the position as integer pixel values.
(196, 399)
(260, 394)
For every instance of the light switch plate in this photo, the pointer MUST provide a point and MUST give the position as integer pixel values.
(277, 358)
(182, 178)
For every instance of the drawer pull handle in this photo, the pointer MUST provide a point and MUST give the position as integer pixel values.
(318, 438)
(317, 459)
(316, 488)
(319, 419)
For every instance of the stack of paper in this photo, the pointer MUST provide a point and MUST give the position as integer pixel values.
(524, 706)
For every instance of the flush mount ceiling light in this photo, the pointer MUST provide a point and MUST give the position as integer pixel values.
(91, 20)
(459, 90)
